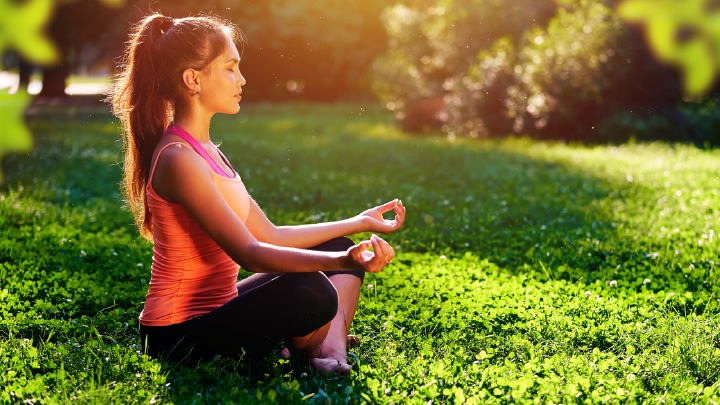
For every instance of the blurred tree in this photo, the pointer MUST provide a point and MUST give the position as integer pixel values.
(565, 80)
(550, 71)
(429, 42)
(317, 50)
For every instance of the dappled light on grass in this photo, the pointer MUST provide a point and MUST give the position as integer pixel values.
(524, 270)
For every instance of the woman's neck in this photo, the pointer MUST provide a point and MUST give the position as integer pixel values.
(196, 124)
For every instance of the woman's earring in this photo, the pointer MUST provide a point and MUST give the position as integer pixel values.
(197, 92)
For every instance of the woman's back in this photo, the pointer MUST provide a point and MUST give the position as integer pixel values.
(191, 274)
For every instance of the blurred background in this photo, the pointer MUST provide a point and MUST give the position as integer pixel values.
(591, 71)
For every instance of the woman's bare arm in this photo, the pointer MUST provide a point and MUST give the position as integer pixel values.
(182, 176)
(305, 236)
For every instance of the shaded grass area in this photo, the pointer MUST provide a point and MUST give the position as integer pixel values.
(526, 271)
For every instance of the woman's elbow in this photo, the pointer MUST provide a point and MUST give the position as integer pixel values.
(251, 258)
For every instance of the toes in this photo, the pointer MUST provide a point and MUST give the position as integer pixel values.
(330, 365)
(285, 353)
(353, 341)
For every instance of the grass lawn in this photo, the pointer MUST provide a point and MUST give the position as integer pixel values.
(527, 272)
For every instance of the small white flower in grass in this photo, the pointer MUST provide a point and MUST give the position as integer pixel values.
(63, 240)
(303, 375)
(630, 377)
(691, 267)
(370, 287)
(139, 264)
(588, 293)
(443, 257)
(646, 281)
(613, 283)
(387, 390)
(82, 253)
(391, 317)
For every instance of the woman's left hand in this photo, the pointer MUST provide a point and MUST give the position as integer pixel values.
(373, 220)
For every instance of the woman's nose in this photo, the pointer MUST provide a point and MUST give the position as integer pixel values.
(242, 80)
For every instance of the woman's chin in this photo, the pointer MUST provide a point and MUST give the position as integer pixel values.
(231, 110)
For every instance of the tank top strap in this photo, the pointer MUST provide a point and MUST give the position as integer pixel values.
(152, 171)
(172, 129)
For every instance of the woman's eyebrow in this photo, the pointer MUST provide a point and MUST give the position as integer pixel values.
(234, 60)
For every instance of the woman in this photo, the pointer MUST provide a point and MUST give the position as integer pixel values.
(184, 194)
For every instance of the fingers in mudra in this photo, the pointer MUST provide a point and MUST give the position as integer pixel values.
(386, 225)
(376, 260)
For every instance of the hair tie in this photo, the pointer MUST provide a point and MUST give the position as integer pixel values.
(166, 24)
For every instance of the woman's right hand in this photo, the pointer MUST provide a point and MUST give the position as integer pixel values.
(374, 261)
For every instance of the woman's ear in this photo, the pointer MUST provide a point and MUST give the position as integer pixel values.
(191, 79)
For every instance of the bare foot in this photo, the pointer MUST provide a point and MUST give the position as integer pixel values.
(352, 341)
(330, 365)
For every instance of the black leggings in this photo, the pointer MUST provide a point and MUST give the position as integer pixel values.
(269, 309)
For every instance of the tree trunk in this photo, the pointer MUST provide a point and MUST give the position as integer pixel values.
(25, 72)
(54, 81)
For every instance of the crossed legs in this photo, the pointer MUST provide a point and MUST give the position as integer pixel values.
(326, 346)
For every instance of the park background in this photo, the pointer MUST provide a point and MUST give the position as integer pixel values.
(557, 161)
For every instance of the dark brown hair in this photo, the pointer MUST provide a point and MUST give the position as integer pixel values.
(150, 90)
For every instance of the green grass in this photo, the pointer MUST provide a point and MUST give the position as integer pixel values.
(527, 272)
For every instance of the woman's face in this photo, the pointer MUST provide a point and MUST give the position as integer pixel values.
(221, 86)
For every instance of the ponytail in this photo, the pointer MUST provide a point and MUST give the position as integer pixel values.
(150, 90)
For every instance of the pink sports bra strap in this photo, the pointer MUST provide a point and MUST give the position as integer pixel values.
(199, 149)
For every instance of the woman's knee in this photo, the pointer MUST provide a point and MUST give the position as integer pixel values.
(316, 295)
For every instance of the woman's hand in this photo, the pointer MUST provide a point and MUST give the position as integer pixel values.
(373, 220)
(374, 261)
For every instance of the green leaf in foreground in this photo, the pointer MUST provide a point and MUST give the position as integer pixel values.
(14, 135)
(21, 26)
(685, 33)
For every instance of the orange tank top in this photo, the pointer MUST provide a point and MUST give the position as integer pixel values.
(191, 275)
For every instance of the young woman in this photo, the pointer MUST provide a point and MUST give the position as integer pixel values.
(184, 194)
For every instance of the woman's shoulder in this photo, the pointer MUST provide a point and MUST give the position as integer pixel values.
(176, 163)
(173, 151)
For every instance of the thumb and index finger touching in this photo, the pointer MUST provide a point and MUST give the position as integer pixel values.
(388, 206)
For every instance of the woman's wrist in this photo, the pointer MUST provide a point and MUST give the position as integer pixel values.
(342, 261)
(360, 224)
